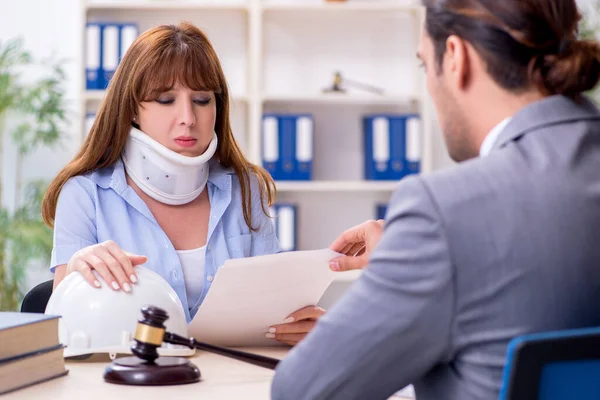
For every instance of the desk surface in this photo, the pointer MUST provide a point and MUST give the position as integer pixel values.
(222, 378)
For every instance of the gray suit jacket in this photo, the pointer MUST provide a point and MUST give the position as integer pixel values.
(471, 257)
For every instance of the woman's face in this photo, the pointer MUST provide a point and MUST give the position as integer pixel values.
(180, 119)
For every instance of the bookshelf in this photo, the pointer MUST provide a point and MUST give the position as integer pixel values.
(351, 6)
(166, 5)
(278, 55)
(335, 186)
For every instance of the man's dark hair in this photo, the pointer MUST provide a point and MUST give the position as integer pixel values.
(524, 43)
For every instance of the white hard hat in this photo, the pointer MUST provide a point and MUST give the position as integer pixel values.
(102, 320)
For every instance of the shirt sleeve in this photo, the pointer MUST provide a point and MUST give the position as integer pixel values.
(74, 222)
(393, 325)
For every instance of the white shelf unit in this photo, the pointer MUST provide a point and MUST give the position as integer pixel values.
(166, 5)
(352, 5)
(335, 186)
(98, 95)
(278, 55)
(341, 99)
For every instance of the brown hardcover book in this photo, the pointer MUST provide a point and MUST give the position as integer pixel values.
(23, 333)
(31, 368)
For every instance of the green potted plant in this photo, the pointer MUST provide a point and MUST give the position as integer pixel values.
(37, 111)
(589, 29)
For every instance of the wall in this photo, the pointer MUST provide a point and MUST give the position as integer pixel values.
(55, 27)
(47, 27)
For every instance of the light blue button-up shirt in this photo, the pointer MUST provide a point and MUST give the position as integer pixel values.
(100, 206)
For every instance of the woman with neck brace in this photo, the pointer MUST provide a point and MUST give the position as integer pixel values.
(161, 181)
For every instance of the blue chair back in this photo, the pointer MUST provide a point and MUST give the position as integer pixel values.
(553, 366)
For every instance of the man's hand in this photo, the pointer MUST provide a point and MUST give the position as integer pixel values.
(356, 243)
(296, 326)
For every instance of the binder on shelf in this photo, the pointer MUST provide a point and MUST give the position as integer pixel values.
(270, 145)
(127, 35)
(304, 147)
(106, 44)
(380, 211)
(413, 144)
(110, 52)
(392, 146)
(93, 41)
(285, 225)
(287, 146)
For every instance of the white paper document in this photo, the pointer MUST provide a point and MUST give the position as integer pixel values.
(249, 295)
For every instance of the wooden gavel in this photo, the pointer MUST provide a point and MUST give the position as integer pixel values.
(147, 368)
(151, 333)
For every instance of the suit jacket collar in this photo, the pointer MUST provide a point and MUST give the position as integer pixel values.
(549, 111)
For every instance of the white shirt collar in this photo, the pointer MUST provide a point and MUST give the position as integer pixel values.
(490, 139)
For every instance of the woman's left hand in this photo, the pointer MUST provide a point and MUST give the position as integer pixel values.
(296, 325)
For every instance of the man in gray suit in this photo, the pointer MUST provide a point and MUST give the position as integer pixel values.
(506, 242)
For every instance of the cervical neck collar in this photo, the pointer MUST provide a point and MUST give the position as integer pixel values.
(163, 174)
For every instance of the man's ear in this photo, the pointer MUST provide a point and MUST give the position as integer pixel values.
(456, 62)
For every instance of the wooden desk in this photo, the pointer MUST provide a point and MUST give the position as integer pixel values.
(222, 378)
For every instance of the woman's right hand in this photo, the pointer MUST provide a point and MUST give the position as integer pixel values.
(114, 265)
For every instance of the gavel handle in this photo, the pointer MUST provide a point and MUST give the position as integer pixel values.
(255, 359)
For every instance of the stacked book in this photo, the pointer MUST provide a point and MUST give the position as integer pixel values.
(30, 351)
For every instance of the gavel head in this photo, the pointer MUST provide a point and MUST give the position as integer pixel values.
(149, 333)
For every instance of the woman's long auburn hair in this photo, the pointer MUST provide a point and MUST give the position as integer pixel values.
(157, 60)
